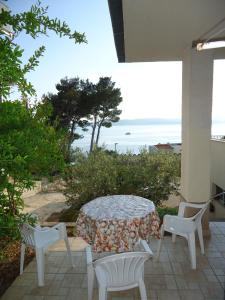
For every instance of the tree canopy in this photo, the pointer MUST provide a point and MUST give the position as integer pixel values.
(34, 22)
(70, 107)
(83, 104)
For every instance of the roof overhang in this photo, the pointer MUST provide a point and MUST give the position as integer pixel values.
(160, 30)
(116, 12)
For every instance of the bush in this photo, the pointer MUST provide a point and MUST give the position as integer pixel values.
(9, 224)
(27, 146)
(150, 175)
(162, 211)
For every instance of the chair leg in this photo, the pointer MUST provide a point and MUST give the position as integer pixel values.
(40, 265)
(191, 245)
(200, 237)
(160, 243)
(22, 254)
(102, 293)
(68, 250)
(142, 290)
(90, 275)
(173, 238)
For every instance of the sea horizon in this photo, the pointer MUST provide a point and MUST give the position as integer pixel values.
(137, 134)
(157, 121)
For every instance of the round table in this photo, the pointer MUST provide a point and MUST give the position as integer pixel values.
(116, 223)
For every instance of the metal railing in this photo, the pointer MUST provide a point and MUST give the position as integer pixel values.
(218, 197)
(218, 137)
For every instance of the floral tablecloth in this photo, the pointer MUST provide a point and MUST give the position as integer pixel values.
(115, 223)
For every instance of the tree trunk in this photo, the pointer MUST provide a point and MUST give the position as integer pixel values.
(93, 133)
(98, 132)
(70, 140)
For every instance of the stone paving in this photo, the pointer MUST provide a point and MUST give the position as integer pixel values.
(169, 279)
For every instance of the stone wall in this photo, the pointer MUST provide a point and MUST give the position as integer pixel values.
(44, 186)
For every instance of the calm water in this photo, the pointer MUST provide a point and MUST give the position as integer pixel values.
(140, 136)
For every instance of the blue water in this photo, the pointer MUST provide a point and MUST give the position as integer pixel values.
(141, 136)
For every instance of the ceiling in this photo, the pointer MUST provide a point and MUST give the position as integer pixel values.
(160, 30)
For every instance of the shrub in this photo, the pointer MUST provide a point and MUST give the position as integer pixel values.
(150, 175)
(27, 146)
(9, 223)
(162, 211)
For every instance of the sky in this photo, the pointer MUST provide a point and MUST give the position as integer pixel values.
(149, 90)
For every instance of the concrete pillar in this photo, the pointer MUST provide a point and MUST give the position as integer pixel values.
(196, 125)
(196, 129)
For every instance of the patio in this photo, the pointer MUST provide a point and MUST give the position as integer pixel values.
(170, 278)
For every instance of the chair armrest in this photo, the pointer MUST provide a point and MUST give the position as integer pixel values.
(45, 236)
(169, 218)
(61, 227)
(49, 233)
(146, 247)
(177, 224)
(89, 255)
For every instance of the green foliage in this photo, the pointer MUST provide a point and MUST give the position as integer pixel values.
(9, 223)
(162, 211)
(27, 147)
(80, 103)
(69, 109)
(150, 175)
(34, 22)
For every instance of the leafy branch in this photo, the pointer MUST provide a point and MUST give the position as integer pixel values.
(34, 22)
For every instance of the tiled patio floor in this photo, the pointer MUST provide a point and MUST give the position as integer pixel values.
(170, 278)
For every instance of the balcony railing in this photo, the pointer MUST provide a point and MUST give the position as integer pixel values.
(220, 197)
(218, 137)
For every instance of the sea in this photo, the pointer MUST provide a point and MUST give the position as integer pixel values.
(133, 138)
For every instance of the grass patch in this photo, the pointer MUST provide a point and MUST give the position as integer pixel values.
(162, 211)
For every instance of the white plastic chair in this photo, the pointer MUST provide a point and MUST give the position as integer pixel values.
(185, 227)
(118, 272)
(40, 239)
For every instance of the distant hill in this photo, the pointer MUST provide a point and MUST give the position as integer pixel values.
(155, 121)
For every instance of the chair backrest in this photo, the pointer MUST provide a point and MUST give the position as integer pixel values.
(120, 269)
(198, 216)
(27, 234)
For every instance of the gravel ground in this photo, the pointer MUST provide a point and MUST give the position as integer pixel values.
(44, 204)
